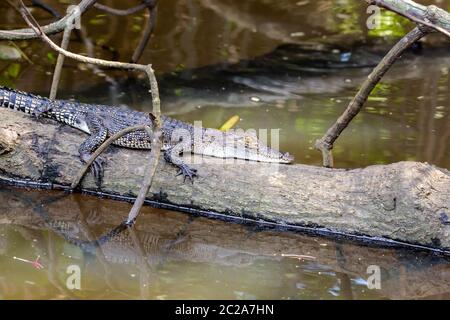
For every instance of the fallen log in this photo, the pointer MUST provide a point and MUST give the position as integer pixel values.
(408, 202)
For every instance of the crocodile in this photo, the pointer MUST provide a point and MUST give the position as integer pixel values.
(103, 121)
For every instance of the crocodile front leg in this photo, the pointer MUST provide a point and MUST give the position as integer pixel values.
(172, 157)
(98, 135)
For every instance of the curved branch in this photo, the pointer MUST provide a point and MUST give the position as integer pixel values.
(430, 16)
(99, 150)
(52, 28)
(149, 27)
(46, 7)
(325, 144)
(119, 12)
(60, 61)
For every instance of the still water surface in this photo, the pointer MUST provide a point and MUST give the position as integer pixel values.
(173, 255)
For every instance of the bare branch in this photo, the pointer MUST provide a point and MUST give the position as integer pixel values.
(430, 16)
(46, 7)
(60, 61)
(55, 27)
(119, 12)
(99, 150)
(91, 53)
(325, 144)
(149, 27)
(154, 154)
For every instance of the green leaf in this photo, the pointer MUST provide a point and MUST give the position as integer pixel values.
(136, 28)
(97, 21)
(391, 25)
(51, 57)
(14, 70)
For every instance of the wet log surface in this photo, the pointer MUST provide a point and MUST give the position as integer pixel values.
(406, 201)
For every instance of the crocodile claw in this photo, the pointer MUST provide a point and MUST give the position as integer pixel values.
(97, 170)
(187, 173)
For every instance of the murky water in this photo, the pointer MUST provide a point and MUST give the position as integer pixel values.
(174, 255)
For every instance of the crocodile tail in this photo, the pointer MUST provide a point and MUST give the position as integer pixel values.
(21, 101)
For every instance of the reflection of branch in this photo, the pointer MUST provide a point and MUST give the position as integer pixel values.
(148, 30)
(100, 255)
(46, 7)
(247, 21)
(149, 27)
(52, 271)
(144, 266)
(90, 53)
(119, 12)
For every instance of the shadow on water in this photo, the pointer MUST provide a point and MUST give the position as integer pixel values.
(172, 255)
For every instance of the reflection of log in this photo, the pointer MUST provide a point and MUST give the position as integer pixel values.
(173, 237)
(402, 201)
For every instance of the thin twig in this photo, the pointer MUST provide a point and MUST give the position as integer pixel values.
(46, 7)
(104, 63)
(99, 150)
(22, 53)
(430, 16)
(149, 26)
(60, 60)
(52, 28)
(91, 53)
(154, 154)
(119, 12)
(148, 31)
(325, 144)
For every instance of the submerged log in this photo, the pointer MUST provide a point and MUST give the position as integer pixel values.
(407, 202)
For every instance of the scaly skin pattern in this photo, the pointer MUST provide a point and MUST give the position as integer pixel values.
(101, 122)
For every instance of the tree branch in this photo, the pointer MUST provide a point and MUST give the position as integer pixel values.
(55, 27)
(325, 144)
(430, 16)
(119, 12)
(46, 7)
(60, 61)
(149, 27)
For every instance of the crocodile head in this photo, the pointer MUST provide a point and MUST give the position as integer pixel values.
(243, 145)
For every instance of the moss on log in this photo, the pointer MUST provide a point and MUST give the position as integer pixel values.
(405, 201)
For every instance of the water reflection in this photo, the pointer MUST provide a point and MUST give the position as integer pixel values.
(172, 255)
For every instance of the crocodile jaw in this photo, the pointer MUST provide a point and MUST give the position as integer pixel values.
(261, 154)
